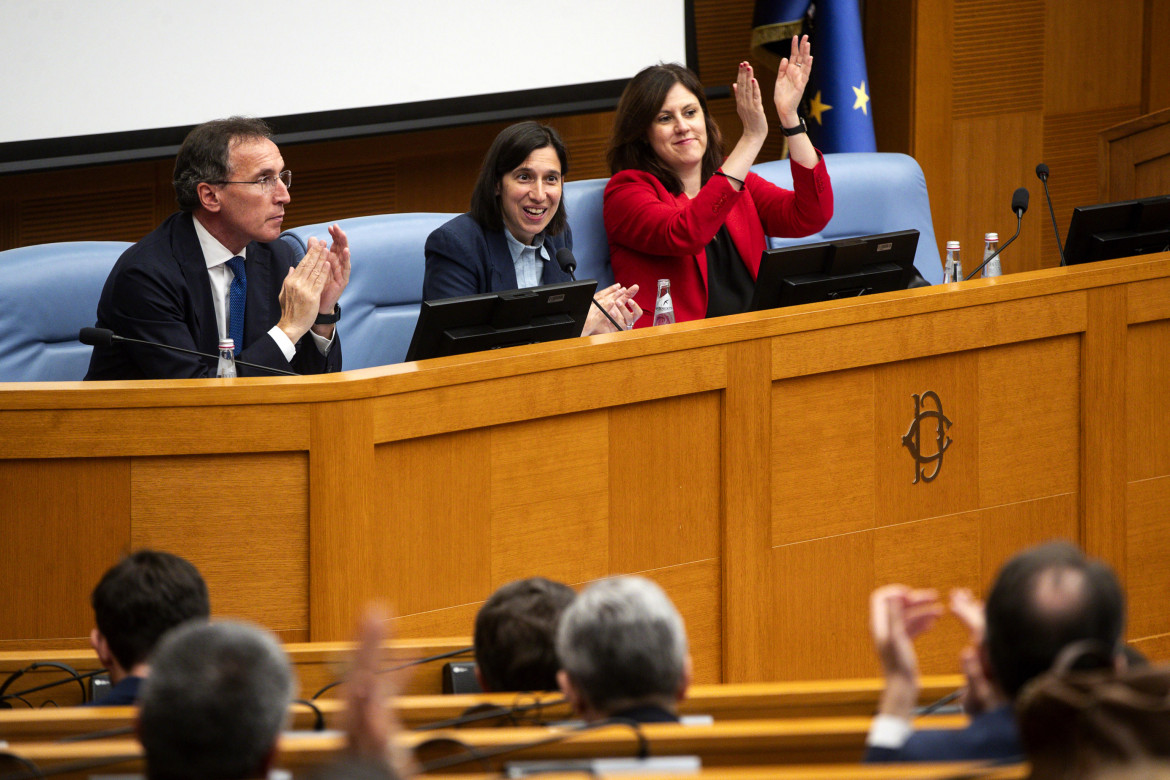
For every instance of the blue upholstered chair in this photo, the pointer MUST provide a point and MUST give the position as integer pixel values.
(380, 306)
(50, 292)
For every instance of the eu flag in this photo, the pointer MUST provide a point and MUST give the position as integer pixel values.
(836, 100)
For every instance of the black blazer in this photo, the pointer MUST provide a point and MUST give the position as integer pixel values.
(465, 259)
(159, 291)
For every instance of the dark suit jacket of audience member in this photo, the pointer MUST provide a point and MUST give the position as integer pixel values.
(990, 736)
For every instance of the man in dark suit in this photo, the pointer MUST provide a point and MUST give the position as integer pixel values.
(623, 652)
(1042, 600)
(217, 269)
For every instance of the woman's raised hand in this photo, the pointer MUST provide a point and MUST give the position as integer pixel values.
(749, 103)
(791, 79)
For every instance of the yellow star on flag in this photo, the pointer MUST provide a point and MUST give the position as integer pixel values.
(816, 108)
(862, 98)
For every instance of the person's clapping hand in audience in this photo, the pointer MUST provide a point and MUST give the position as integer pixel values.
(898, 615)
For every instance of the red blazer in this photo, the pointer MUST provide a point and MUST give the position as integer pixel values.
(655, 235)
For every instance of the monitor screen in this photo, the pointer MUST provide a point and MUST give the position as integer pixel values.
(1122, 229)
(832, 270)
(472, 323)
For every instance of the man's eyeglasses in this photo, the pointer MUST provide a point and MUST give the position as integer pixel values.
(266, 182)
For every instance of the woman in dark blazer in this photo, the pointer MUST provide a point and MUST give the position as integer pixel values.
(517, 222)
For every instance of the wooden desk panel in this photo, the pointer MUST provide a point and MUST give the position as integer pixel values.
(754, 464)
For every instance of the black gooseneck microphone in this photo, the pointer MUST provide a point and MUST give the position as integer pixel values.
(1019, 206)
(104, 337)
(568, 264)
(1042, 175)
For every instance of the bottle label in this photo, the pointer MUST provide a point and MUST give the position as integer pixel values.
(664, 302)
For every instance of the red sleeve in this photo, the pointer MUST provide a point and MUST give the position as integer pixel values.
(641, 215)
(804, 209)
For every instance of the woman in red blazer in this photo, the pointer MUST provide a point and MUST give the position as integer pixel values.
(677, 209)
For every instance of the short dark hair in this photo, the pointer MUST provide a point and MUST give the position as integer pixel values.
(510, 149)
(206, 153)
(215, 702)
(141, 598)
(1024, 634)
(515, 635)
(642, 99)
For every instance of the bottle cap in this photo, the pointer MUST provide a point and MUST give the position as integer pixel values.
(991, 237)
(227, 344)
(952, 245)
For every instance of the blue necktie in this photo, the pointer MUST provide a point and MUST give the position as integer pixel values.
(237, 294)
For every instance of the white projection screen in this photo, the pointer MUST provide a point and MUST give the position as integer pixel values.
(111, 80)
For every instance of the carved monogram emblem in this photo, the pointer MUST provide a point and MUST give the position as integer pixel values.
(913, 440)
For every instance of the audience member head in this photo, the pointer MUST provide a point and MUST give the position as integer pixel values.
(635, 142)
(215, 703)
(205, 155)
(519, 184)
(622, 645)
(137, 601)
(515, 635)
(1043, 599)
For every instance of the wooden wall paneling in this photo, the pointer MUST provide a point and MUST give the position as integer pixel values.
(74, 514)
(902, 495)
(822, 456)
(1029, 414)
(550, 499)
(993, 33)
(663, 483)
(1007, 529)
(1156, 56)
(999, 153)
(941, 553)
(341, 472)
(431, 529)
(1134, 158)
(1147, 412)
(1156, 648)
(1103, 441)
(931, 125)
(746, 523)
(458, 620)
(64, 433)
(925, 334)
(890, 40)
(200, 507)
(821, 594)
(1075, 76)
(723, 30)
(1071, 151)
(1147, 550)
(507, 399)
(694, 589)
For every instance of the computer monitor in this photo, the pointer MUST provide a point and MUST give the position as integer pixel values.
(832, 270)
(472, 323)
(1121, 229)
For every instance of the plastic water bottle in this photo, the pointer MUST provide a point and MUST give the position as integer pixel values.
(990, 247)
(227, 360)
(953, 270)
(663, 305)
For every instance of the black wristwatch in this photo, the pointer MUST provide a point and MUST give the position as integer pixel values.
(330, 319)
(790, 131)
